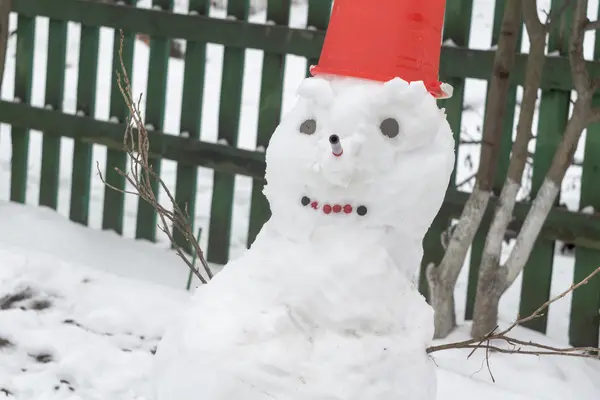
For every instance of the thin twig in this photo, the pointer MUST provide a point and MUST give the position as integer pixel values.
(592, 26)
(466, 180)
(142, 176)
(537, 313)
(526, 347)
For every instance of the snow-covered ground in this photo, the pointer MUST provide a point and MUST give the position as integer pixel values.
(117, 295)
(81, 312)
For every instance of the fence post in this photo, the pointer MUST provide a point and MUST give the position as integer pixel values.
(114, 201)
(156, 98)
(186, 183)
(318, 17)
(219, 235)
(457, 27)
(55, 80)
(86, 106)
(271, 97)
(584, 324)
(23, 84)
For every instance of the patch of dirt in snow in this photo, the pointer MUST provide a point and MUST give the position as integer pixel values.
(67, 330)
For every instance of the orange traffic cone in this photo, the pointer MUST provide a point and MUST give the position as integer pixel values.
(384, 39)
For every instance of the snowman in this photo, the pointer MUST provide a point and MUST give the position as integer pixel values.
(323, 306)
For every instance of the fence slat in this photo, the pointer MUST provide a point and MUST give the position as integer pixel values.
(457, 27)
(318, 17)
(191, 121)
(114, 201)
(55, 79)
(23, 85)
(86, 105)
(229, 120)
(227, 159)
(503, 161)
(457, 62)
(578, 228)
(584, 323)
(271, 96)
(553, 117)
(156, 98)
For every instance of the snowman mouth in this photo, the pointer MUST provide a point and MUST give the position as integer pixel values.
(333, 208)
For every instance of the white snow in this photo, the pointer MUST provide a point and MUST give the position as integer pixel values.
(323, 305)
(76, 331)
(100, 367)
(42, 249)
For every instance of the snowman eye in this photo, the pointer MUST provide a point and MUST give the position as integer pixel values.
(308, 127)
(390, 127)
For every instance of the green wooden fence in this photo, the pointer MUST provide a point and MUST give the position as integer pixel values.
(276, 40)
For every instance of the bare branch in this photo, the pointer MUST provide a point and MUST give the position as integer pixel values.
(571, 352)
(494, 279)
(532, 21)
(141, 177)
(580, 118)
(592, 26)
(492, 282)
(544, 306)
(495, 110)
(466, 180)
(517, 346)
(442, 279)
(579, 71)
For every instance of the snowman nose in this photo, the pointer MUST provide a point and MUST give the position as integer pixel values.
(336, 146)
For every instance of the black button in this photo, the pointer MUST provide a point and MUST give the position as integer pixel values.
(305, 200)
(361, 210)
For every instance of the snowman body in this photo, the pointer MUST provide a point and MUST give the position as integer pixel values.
(323, 306)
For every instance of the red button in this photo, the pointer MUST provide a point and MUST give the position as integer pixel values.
(314, 205)
(327, 209)
(337, 208)
(347, 208)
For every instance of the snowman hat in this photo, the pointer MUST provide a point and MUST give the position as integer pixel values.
(385, 39)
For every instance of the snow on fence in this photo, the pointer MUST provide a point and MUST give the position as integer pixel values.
(213, 106)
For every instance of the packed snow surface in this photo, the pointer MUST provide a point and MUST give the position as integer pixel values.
(117, 321)
(68, 329)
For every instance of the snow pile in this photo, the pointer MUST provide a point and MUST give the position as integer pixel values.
(71, 332)
(323, 305)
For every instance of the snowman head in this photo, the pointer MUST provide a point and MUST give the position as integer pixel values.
(359, 154)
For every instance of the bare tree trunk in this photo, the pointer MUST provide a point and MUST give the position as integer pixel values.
(486, 300)
(550, 188)
(442, 279)
(494, 280)
(5, 6)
